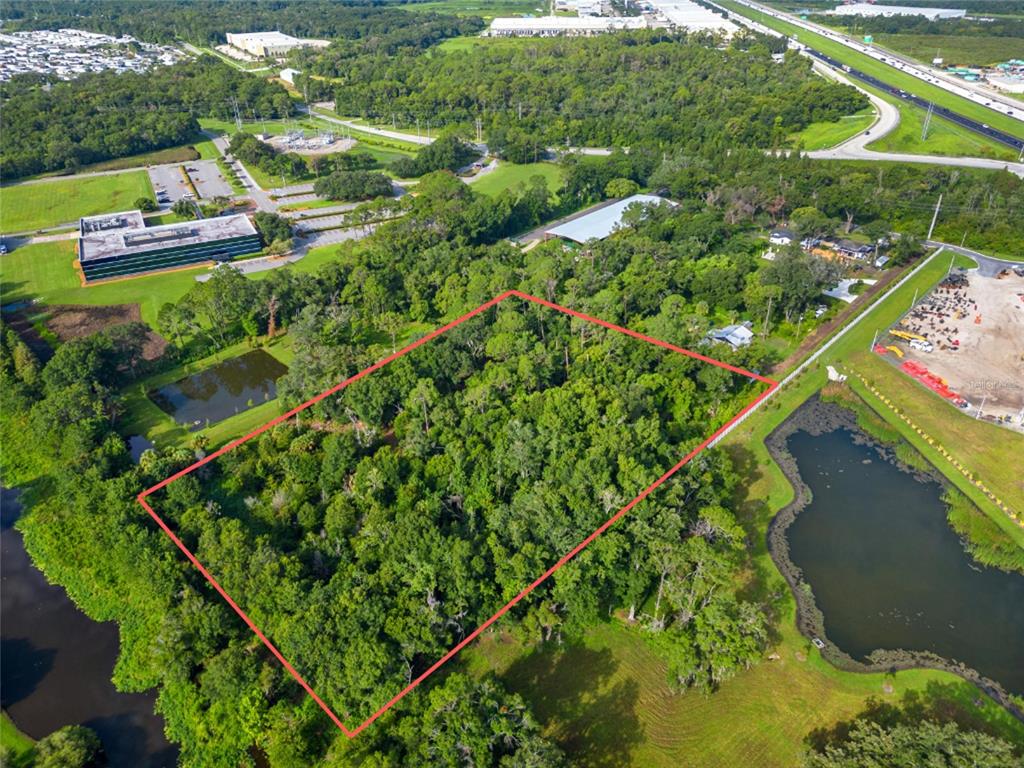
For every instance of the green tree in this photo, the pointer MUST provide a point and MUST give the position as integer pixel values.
(73, 746)
(914, 745)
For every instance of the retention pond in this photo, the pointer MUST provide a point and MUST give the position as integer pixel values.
(221, 390)
(57, 664)
(887, 572)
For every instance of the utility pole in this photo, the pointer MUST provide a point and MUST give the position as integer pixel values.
(935, 217)
(982, 406)
(927, 121)
(874, 340)
(767, 316)
(479, 130)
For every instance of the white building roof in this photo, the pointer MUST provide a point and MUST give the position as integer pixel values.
(867, 9)
(602, 222)
(566, 24)
(685, 14)
(267, 38)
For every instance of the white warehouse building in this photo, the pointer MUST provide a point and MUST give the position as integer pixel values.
(867, 9)
(271, 45)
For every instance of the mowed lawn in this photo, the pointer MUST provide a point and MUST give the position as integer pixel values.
(26, 207)
(826, 135)
(46, 271)
(607, 701)
(944, 137)
(509, 175)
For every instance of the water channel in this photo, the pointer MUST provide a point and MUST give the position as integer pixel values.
(57, 663)
(886, 569)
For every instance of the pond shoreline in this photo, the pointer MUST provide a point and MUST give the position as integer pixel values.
(817, 417)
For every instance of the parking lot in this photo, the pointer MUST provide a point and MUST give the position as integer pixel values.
(168, 178)
(208, 179)
(205, 175)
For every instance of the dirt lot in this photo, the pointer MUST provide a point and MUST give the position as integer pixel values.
(73, 321)
(978, 337)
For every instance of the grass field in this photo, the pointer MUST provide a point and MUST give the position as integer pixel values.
(17, 746)
(470, 42)
(826, 135)
(956, 50)
(944, 137)
(46, 272)
(509, 175)
(606, 701)
(28, 207)
(884, 72)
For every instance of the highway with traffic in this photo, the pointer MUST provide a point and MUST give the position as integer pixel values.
(983, 128)
(962, 88)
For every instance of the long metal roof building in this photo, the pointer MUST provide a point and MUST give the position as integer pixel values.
(600, 223)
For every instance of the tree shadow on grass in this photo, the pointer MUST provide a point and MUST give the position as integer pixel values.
(956, 702)
(765, 585)
(571, 690)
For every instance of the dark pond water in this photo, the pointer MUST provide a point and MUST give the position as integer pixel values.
(887, 570)
(137, 445)
(57, 664)
(221, 390)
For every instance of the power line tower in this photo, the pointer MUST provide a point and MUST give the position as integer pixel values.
(238, 117)
(927, 121)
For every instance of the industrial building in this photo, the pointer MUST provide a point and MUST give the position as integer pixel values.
(571, 26)
(270, 45)
(868, 9)
(601, 222)
(120, 244)
(687, 15)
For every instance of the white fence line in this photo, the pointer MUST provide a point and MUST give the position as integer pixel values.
(825, 347)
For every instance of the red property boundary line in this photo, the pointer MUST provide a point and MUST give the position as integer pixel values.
(351, 733)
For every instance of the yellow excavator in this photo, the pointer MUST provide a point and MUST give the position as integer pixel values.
(908, 336)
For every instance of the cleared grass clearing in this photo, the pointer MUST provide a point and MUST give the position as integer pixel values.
(510, 175)
(956, 50)
(46, 271)
(827, 135)
(486, 9)
(884, 72)
(27, 207)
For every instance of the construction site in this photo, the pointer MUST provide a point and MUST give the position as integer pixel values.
(964, 341)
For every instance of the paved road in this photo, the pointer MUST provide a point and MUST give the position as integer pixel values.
(897, 93)
(390, 134)
(971, 91)
(888, 118)
(987, 266)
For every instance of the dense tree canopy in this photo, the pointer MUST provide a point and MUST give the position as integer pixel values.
(914, 745)
(358, 23)
(353, 185)
(618, 90)
(62, 125)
